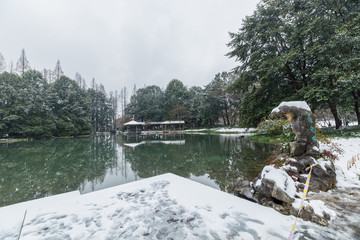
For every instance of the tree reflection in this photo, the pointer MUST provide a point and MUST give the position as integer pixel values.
(41, 168)
(224, 159)
(30, 170)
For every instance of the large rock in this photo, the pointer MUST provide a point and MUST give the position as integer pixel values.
(276, 188)
(323, 176)
(302, 124)
(277, 184)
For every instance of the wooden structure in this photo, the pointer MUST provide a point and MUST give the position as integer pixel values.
(147, 128)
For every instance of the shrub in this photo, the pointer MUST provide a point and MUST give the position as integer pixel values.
(275, 127)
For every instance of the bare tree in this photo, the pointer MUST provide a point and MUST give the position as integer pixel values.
(49, 75)
(58, 72)
(84, 85)
(121, 102)
(22, 64)
(78, 78)
(102, 89)
(11, 67)
(114, 99)
(124, 99)
(93, 83)
(46, 74)
(2, 63)
(134, 90)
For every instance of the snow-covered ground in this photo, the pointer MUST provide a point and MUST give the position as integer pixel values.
(172, 207)
(322, 123)
(241, 131)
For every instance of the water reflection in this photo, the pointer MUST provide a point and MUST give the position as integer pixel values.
(221, 159)
(30, 170)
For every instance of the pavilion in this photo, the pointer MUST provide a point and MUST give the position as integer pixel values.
(147, 128)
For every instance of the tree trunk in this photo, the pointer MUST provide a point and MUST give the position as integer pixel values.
(356, 105)
(227, 114)
(336, 116)
(223, 117)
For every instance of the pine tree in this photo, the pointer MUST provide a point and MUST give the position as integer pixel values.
(22, 64)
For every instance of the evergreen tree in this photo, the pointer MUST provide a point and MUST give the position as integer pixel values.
(70, 105)
(175, 98)
(147, 104)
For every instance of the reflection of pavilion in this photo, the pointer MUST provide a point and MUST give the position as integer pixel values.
(148, 128)
(173, 142)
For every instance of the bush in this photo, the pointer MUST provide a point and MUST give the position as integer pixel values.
(275, 127)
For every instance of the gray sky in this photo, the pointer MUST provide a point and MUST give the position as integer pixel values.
(124, 42)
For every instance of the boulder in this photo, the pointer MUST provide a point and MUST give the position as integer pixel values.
(302, 124)
(276, 188)
(323, 176)
(245, 190)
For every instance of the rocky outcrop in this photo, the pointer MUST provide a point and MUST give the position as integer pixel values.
(279, 188)
(302, 124)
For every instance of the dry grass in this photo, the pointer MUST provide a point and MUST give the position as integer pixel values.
(352, 162)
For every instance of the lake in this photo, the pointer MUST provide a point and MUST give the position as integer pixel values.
(30, 170)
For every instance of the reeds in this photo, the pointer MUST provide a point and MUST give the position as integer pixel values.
(351, 162)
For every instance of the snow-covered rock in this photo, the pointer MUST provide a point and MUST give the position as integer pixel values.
(278, 184)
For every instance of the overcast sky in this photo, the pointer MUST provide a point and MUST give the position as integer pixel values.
(124, 42)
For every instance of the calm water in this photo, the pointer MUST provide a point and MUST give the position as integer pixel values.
(30, 170)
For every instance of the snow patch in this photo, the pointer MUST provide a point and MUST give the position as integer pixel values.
(323, 163)
(282, 180)
(319, 207)
(297, 104)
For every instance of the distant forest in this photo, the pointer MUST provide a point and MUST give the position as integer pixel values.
(41, 105)
(286, 50)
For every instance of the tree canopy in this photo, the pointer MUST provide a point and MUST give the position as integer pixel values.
(30, 106)
(297, 50)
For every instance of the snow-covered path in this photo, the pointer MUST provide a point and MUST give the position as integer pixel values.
(172, 207)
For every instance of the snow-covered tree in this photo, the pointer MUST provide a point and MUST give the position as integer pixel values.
(22, 64)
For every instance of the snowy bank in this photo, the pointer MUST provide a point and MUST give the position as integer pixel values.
(166, 206)
(242, 131)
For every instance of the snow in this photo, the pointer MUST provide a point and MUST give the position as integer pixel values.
(242, 131)
(297, 104)
(347, 177)
(133, 145)
(169, 206)
(319, 207)
(282, 180)
(131, 123)
(169, 142)
(162, 207)
(323, 163)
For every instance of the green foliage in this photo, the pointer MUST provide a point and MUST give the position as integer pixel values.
(147, 104)
(176, 97)
(196, 106)
(303, 50)
(275, 127)
(31, 107)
